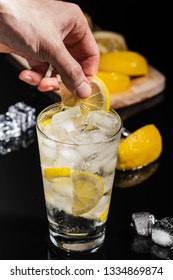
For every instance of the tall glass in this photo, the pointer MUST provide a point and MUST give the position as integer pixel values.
(78, 155)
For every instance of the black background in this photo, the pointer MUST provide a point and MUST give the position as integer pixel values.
(146, 26)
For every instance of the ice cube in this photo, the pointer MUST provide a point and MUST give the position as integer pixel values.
(94, 136)
(8, 127)
(73, 112)
(56, 133)
(67, 157)
(106, 122)
(101, 208)
(143, 222)
(24, 115)
(162, 232)
(59, 194)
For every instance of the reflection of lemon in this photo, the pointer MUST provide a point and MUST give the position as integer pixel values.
(115, 82)
(99, 99)
(109, 41)
(140, 148)
(88, 190)
(125, 62)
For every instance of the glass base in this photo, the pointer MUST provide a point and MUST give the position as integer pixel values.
(78, 244)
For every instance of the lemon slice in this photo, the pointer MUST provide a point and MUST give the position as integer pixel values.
(104, 215)
(99, 99)
(115, 82)
(140, 148)
(88, 189)
(51, 173)
(46, 122)
(109, 41)
(124, 62)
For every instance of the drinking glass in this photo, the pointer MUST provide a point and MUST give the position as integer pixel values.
(78, 155)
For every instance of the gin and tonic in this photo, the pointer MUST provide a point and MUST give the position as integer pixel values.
(78, 154)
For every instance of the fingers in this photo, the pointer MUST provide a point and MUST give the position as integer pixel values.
(36, 76)
(37, 79)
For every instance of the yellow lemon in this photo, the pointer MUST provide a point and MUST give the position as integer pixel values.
(109, 41)
(115, 82)
(50, 173)
(99, 99)
(88, 189)
(140, 148)
(125, 62)
(46, 122)
(104, 215)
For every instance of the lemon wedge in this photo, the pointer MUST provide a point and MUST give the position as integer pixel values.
(99, 98)
(109, 41)
(46, 122)
(104, 215)
(50, 173)
(140, 148)
(88, 190)
(115, 82)
(124, 62)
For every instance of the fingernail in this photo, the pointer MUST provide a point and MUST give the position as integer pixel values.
(50, 88)
(83, 90)
(27, 79)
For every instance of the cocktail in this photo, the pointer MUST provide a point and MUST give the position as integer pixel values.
(78, 153)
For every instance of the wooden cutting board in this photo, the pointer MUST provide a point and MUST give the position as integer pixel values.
(140, 89)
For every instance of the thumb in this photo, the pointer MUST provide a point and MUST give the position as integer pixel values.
(72, 73)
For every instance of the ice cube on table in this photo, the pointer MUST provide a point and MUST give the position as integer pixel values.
(24, 115)
(143, 222)
(162, 232)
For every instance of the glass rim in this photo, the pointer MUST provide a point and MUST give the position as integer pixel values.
(54, 105)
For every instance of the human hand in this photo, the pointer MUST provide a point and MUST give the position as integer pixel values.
(49, 32)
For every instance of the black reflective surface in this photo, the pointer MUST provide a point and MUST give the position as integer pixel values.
(23, 222)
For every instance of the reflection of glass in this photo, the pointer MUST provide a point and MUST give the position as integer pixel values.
(130, 178)
(78, 157)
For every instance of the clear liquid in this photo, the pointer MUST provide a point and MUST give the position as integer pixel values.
(85, 231)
